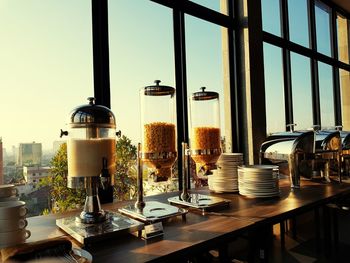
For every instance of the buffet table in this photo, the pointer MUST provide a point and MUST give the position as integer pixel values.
(201, 232)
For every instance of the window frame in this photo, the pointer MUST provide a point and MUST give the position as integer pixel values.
(179, 9)
(315, 57)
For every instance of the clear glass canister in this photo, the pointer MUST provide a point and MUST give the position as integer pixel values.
(91, 144)
(158, 126)
(205, 140)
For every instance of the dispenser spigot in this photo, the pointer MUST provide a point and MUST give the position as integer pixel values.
(105, 177)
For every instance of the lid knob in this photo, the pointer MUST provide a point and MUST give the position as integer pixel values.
(203, 89)
(157, 81)
(91, 100)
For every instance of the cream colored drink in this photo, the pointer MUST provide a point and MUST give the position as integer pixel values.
(85, 156)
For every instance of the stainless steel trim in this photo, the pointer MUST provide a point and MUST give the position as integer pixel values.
(158, 155)
(206, 151)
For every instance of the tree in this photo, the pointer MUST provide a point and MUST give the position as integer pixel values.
(64, 198)
(126, 171)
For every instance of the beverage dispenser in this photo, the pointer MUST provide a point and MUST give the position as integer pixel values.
(91, 153)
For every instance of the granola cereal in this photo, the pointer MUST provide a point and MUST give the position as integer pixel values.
(205, 138)
(159, 137)
(158, 149)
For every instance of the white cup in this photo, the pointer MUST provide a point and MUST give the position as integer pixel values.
(12, 210)
(7, 190)
(11, 198)
(8, 225)
(14, 237)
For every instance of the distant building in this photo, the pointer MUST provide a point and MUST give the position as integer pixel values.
(29, 154)
(34, 174)
(1, 163)
(56, 145)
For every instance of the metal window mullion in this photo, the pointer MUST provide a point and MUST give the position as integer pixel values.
(348, 29)
(301, 50)
(198, 11)
(314, 68)
(181, 86)
(100, 52)
(235, 104)
(286, 61)
(257, 81)
(335, 70)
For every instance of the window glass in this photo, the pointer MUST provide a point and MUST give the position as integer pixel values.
(141, 51)
(274, 89)
(301, 91)
(298, 22)
(345, 98)
(204, 62)
(343, 38)
(271, 17)
(323, 35)
(46, 71)
(326, 95)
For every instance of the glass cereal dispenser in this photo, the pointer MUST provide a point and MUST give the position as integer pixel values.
(91, 153)
(205, 142)
(205, 149)
(158, 118)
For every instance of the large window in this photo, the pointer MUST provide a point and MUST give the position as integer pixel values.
(46, 71)
(315, 45)
(326, 95)
(298, 22)
(274, 89)
(204, 60)
(345, 102)
(301, 90)
(271, 16)
(141, 51)
(323, 35)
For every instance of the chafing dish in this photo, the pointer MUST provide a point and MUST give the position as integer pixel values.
(295, 149)
(325, 157)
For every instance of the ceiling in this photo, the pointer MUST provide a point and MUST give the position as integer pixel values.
(344, 4)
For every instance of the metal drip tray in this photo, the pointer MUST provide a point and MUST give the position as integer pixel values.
(115, 224)
(199, 201)
(153, 211)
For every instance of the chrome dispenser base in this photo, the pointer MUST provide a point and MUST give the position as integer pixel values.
(199, 201)
(91, 218)
(152, 211)
(114, 225)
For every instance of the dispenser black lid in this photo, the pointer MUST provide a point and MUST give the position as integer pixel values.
(92, 115)
(205, 95)
(158, 90)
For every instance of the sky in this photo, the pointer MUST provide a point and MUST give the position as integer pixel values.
(46, 65)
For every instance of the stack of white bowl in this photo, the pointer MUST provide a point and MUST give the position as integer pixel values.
(12, 218)
(225, 179)
(258, 180)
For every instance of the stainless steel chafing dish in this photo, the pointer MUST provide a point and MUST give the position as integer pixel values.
(311, 154)
(344, 158)
(294, 148)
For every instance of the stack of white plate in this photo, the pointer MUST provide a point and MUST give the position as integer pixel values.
(225, 178)
(258, 180)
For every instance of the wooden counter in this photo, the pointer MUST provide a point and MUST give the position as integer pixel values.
(201, 232)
